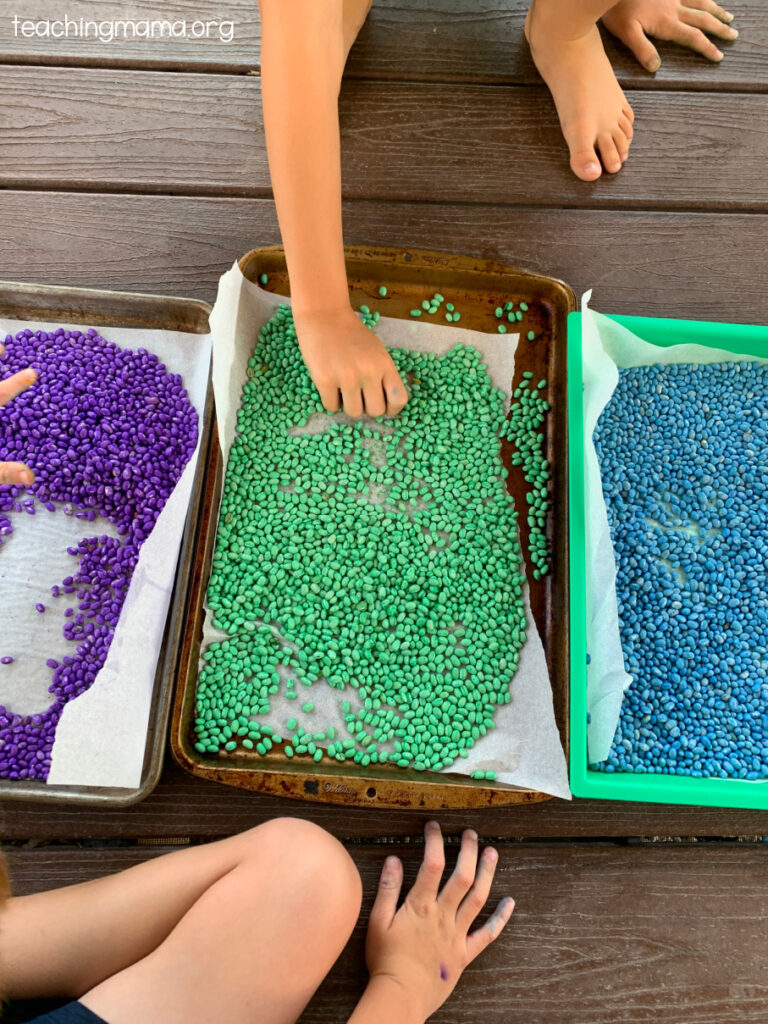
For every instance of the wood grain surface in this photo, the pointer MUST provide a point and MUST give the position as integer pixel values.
(439, 40)
(184, 806)
(601, 934)
(688, 265)
(201, 134)
(142, 166)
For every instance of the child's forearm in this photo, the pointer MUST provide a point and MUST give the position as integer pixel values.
(384, 1001)
(303, 56)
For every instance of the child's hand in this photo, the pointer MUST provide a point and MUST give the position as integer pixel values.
(632, 21)
(349, 365)
(422, 948)
(16, 472)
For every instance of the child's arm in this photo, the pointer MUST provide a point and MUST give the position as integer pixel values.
(304, 49)
(417, 953)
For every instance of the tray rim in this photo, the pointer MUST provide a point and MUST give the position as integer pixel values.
(411, 790)
(645, 787)
(15, 292)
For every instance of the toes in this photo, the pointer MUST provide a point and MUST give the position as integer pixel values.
(626, 126)
(695, 39)
(609, 153)
(621, 142)
(584, 161)
(628, 112)
(707, 22)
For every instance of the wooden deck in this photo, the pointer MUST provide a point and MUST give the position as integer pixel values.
(141, 166)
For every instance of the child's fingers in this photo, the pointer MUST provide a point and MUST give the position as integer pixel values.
(460, 882)
(633, 36)
(707, 22)
(352, 400)
(483, 937)
(396, 392)
(373, 396)
(16, 473)
(431, 871)
(329, 395)
(478, 895)
(390, 883)
(13, 386)
(712, 8)
(694, 38)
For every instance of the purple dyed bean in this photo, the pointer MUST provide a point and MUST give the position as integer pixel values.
(118, 431)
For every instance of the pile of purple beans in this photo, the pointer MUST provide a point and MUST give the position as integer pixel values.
(107, 432)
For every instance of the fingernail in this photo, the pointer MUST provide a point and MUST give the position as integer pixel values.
(510, 904)
(728, 16)
(30, 375)
(27, 477)
(733, 33)
(719, 55)
(491, 853)
(655, 64)
(471, 834)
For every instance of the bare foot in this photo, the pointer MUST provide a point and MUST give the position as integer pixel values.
(593, 110)
(632, 21)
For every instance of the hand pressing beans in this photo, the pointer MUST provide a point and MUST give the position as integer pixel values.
(683, 453)
(377, 558)
(107, 432)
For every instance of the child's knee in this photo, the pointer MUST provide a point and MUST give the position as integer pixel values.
(309, 852)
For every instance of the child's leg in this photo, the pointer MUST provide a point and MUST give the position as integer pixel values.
(200, 935)
(594, 114)
(355, 13)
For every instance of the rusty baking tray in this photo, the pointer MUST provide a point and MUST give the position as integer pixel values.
(94, 308)
(476, 287)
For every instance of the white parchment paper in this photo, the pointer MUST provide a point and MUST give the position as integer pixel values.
(606, 348)
(524, 749)
(101, 737)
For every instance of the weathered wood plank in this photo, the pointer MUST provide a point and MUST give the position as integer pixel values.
(201, 134)
(601, 934)
(495, 144)
(183, 806)
(698, 266)
(448, 40)
(124, 130)
(483, 41)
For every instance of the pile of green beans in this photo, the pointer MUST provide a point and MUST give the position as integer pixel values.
(524, 430)
(379, 559)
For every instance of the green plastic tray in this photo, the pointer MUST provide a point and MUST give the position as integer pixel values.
(670, 789)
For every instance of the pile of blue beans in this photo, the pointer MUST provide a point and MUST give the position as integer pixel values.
(683, 452)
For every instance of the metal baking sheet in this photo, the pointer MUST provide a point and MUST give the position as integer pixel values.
(95, 308)
(477, 287)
